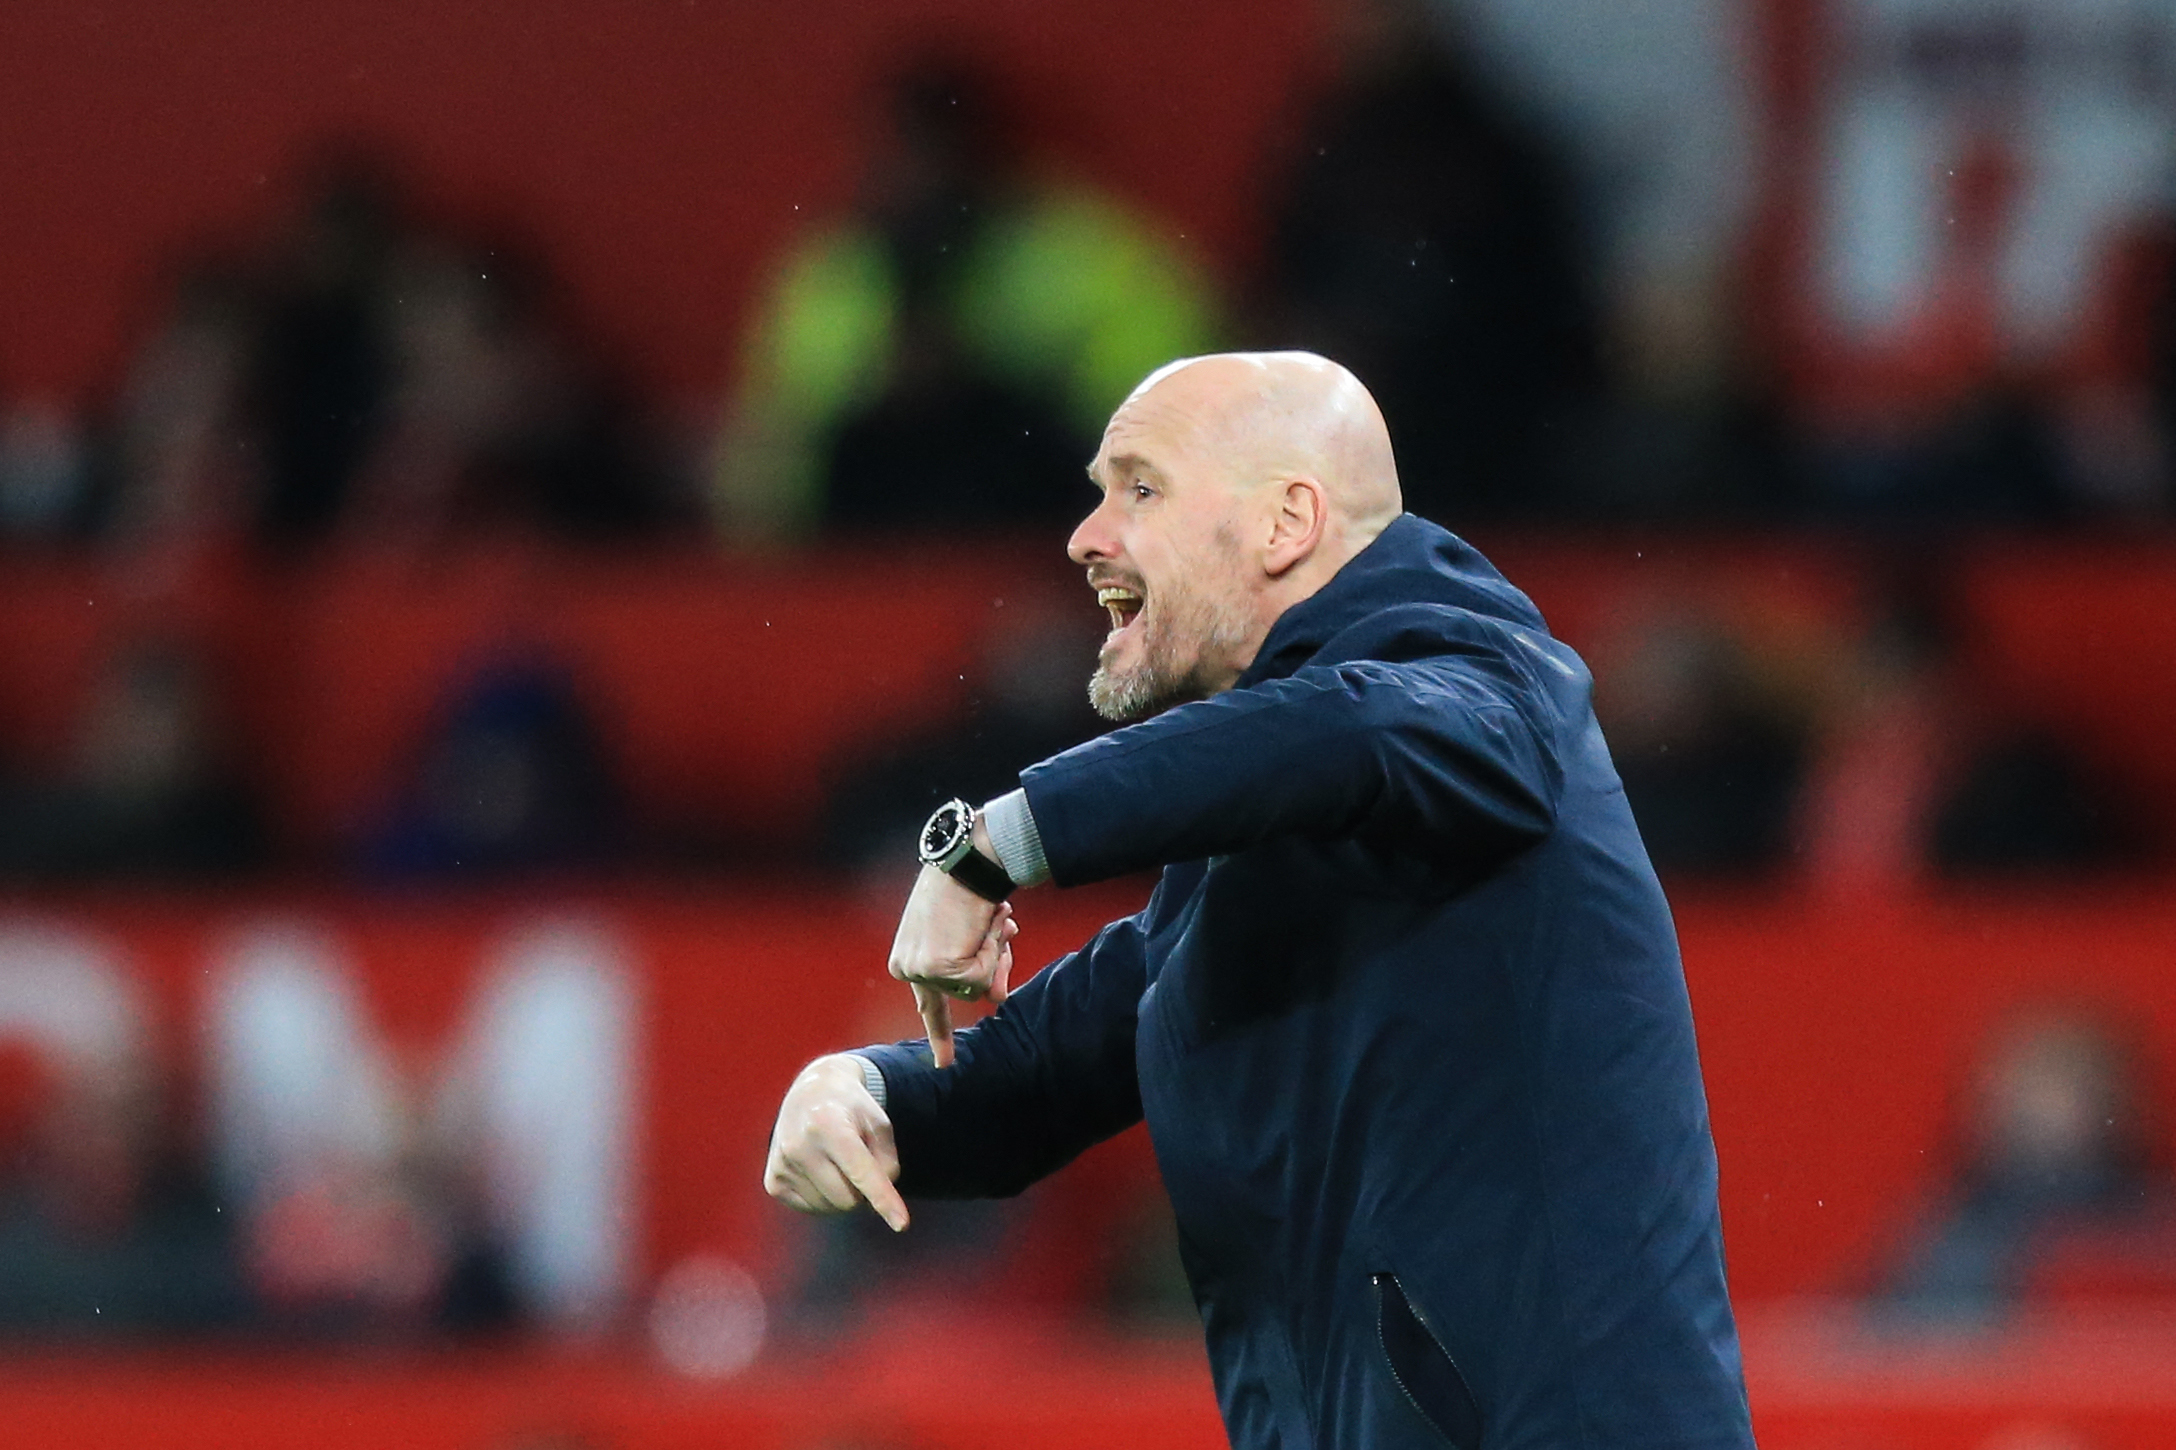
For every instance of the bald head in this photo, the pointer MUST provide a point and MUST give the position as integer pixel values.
(1233, 487)
(1270, 417)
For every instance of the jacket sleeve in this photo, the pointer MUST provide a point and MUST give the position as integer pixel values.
(1045, 1077)
(1453, 756)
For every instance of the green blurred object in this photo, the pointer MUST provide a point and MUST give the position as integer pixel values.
(1062, 294)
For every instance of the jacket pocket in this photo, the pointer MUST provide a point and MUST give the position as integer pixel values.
(1423, 1369)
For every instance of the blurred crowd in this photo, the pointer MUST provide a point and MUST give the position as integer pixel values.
(1595, 265)
(1854, 756)
(355, 375)
(1592, 270)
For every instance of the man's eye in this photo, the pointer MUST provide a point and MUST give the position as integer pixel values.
(1142, 490)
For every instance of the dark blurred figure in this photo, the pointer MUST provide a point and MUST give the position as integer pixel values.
(105, 1228)
(1919, 771)
(495, 423)
(372, 377)
(188, 462)
(1145, 1288)
(47, 476)
(375, 1248)
(2027, 802)
(947, 356)
(1029, 703)
(514, 777)
(947, 441)
(1711, 756)
(152, 789)
(2060, 1158)
(323, 371)
(1426, 240)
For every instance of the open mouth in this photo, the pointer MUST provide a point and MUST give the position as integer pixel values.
(1124, 605)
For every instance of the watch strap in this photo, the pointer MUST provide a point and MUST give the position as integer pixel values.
(979, 874)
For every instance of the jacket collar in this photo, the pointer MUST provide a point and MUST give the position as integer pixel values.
(1411, 562)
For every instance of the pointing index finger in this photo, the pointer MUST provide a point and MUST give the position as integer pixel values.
(870, 1181)
(936, 1010)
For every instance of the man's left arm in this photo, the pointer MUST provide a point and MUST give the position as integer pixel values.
(1455, 753)
(1452, 755)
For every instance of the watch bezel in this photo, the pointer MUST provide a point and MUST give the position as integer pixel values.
(956, 844)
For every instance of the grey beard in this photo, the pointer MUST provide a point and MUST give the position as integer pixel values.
(1123, 699)
(1160, 682)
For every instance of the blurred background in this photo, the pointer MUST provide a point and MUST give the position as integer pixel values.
(511, 514)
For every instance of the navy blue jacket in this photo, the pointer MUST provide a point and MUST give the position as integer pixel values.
(1406, 1019)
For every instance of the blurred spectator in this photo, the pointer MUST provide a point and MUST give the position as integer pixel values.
(947, 356)
(1030, 701)
(1427, 240)
(1654, 108)
(46, 490)
(514, 777)
(152, 789)
(1881, 747)
(1712, 754)
(2060, 1149)
(1863, 758)
(322, 369)
(371, 377)
(2028, 802)
(494, 423)
(384, 1195)
(852, 1264)
(186, 459)
(104, 1230)
(1974, 293)
(1918, 771)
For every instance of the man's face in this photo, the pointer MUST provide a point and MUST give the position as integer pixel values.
(1163, 552)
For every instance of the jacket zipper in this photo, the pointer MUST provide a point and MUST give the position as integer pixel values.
(1382, 1342)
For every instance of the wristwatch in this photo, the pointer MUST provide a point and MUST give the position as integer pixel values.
(948, 843)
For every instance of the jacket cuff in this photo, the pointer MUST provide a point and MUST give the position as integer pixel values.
(909, 1078)
(1013, 834)
(872, 1077)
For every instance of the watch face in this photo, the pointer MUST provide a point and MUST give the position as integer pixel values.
(943, 831)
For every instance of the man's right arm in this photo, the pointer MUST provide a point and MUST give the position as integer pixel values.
(1032, 1086)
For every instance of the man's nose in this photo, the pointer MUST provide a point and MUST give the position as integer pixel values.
(1094, 539)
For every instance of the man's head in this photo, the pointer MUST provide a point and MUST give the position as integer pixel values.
(1234, 486)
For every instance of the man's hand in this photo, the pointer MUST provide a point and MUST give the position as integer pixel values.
(832, 1149)
(951, 943)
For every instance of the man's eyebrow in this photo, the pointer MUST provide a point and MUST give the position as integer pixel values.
(1125, 465)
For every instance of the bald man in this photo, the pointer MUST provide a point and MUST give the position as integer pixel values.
(1404, 1015)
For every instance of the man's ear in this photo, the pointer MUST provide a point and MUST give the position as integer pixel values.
(1300, 514)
